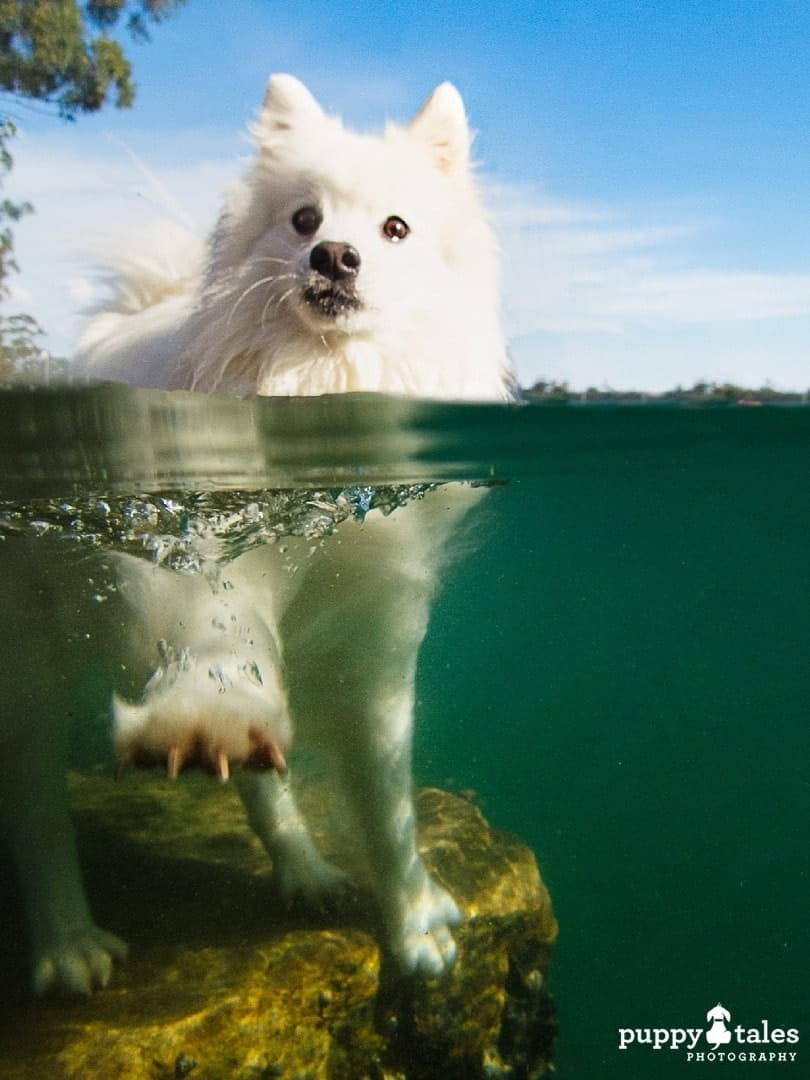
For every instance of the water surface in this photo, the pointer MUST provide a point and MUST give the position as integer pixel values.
(619, 665)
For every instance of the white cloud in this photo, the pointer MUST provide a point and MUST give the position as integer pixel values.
(572, 268)
(699, 295)
(597, 297)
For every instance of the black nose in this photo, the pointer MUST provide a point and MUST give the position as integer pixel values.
(335, 261)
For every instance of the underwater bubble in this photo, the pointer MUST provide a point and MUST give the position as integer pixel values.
(191, 532)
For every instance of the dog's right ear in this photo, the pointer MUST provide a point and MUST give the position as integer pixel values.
(287, 103)
(442, 125)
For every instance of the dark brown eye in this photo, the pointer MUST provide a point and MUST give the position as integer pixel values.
(395, 229)
(307, 220)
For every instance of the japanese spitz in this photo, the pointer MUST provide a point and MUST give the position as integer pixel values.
(341, 262)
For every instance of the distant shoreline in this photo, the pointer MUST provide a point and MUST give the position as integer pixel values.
(700, 394)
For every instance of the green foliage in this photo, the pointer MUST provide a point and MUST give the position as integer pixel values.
(19, 348)
(20, 352)
(9, 211)
(702, 393)
(61, 51)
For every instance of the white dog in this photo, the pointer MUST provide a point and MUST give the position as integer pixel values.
(341, 262)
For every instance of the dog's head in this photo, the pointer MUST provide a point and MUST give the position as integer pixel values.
(367, 257)
(344, 229)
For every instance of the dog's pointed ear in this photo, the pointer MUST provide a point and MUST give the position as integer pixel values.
(287, 102)
(442, 124)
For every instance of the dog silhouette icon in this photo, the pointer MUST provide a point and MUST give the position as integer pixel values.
(718, 1034)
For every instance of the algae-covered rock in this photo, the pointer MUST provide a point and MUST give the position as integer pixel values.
(223, 982)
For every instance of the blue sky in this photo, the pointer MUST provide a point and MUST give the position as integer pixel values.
(646, 165)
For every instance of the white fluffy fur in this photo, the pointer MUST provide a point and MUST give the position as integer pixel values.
(350, 619)
(428, 325)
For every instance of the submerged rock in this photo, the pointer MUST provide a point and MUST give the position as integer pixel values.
(224, 983)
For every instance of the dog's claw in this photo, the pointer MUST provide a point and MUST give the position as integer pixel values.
(223, 768)
(174, 762)
(277, 759)
(263, 755)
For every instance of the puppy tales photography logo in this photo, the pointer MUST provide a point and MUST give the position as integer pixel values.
(719, 1040)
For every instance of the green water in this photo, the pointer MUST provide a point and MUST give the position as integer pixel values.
(624, 677)
(620, 666)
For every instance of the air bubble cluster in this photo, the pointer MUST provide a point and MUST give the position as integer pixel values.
(191, 531)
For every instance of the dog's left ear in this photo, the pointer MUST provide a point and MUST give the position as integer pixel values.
(442, 124)
(287, 104)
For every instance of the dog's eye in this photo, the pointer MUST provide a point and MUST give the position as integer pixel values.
(395, 229)
(307, 220)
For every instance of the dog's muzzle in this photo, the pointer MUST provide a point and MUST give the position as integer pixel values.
(331, 285)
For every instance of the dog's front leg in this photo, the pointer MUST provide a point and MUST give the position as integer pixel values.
(376, 759)
(299, 870)
(352, 639)
(70, 953)
(43, 634)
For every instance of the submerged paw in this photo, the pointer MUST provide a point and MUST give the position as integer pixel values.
(78, 965)
(423, 943)
(307, 877)
(210, 739)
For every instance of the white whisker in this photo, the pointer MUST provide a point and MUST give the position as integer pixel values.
(277, 301)
(271, 301)
(269, 280)
(246, 293)
(270, 259)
